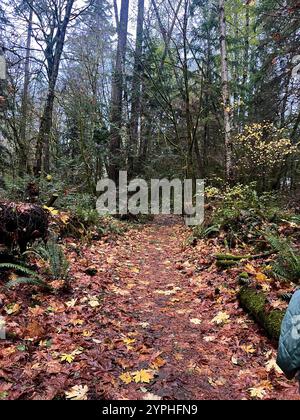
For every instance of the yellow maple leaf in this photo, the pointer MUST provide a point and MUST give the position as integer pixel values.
(248, 348)
(257, 392)
(250, 269)
(261, 277)
(126, 378)
(128, 341)
(51, 210)
(221, 318)
(77, 393)
(196, 321)
(69, 358)
(64, 218)
(143, 375)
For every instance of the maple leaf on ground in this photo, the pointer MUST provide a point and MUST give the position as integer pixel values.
(196, 321)
(71, 303)
(257, 392)
(77, 322)
(221, 318)
(69, 358)
(261, 277)
(150, 396)
(143, 375)
(248, 348)
(158, 363)
(12, 309)
(272, 365)
(126, 378)
(209, 338)
(77, 393)
(94, 303)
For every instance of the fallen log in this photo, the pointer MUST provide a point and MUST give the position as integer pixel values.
(255, 302)
(21, 224)
(224, 264)
(231, 257)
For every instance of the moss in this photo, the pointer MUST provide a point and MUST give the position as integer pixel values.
(244, 275)
(225, 264)
(255, 303)
(232, 257)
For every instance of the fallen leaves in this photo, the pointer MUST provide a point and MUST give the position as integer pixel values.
(143, 375)
(139, 376)
(77, 393)
(248, 348)
(158, 363)
(221, 318)
(94, 302)
(196, 321)
(70, 357)
(12, 309)
(156, 326)
(272, 365)
(259, 391)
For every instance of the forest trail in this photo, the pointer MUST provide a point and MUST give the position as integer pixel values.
(147, 317)
(165, 311)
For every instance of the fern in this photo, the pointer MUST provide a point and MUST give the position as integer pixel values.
(53, 253)
(21, 268)
(34, 278)
(287, 263)
(27, 280)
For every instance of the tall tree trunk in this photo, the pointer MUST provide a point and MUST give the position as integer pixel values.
(225, 92)
(3, 81)
(136, 88)
(116, 96)
(24, 155)
(246, 59)
(188, 117)
(53, 53)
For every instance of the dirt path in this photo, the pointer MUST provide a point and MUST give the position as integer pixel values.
(156, 320)
(167, 308)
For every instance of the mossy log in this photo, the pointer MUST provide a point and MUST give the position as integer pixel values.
(255, 302)
(224, 264)
(230, 257)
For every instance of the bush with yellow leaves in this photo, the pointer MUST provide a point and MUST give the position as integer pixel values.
(261, 153)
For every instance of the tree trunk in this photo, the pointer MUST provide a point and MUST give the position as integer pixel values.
(136, 88)
(225, 92)
(53, 53)
(24, 155)
(116, 96)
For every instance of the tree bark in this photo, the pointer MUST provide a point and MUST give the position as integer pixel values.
(225, 91)
(24, 162)
(116, 96)
(136, 88)
(53, 53)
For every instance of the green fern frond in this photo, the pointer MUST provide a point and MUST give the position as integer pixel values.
(27, 280)
(22, 269)
(287, 264)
